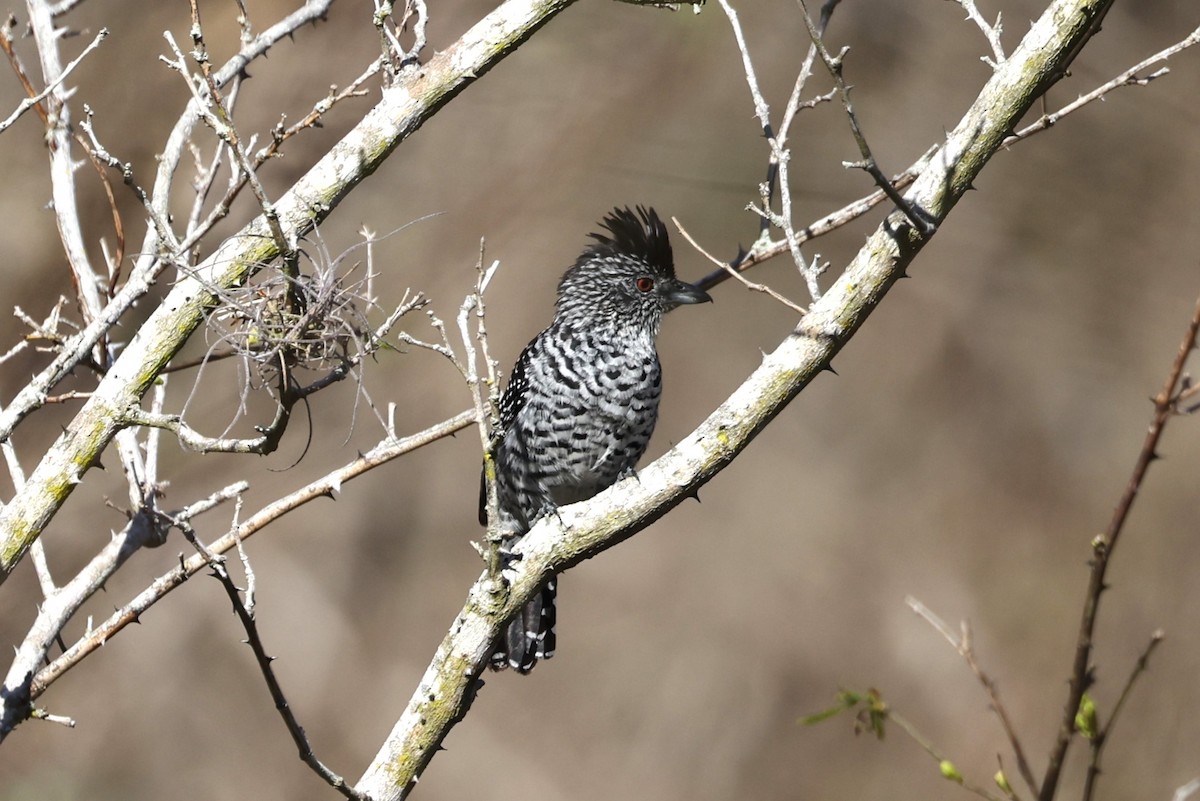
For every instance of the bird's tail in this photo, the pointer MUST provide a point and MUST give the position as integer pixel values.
(530, 635)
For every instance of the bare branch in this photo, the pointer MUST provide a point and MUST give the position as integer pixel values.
(326, 486)
(967, 652)
(735, 274)
(1127, 78)
(990, 32)
(1103, 546)
(30, 102)
(778, 167)
(1101, 739)
(921, 220)
(17, 693)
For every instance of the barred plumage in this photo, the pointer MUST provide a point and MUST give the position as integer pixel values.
(582, 400)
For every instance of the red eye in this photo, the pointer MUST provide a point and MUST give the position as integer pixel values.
(644, 284)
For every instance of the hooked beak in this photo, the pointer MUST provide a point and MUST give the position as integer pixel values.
(680, 294)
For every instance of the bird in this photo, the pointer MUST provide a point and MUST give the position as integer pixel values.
(582, 400)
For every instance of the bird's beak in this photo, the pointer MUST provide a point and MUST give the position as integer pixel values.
(679, 294)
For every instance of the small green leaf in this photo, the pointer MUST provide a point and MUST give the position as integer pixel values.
(949, 771)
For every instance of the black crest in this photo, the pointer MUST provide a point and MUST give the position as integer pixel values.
(641, 235)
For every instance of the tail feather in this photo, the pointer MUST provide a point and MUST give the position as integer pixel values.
(530, 635)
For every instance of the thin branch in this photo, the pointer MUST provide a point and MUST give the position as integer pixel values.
(990, 32)
(254, 640)
(1102, 550)
(1101, 738)
(18, 691)
(484, 411)
(1127, 78)
(963, 645)
(38, 552)
(62, 166)
(778, 162)
(30, 102)
(947, 768)
(324, 487)
(796, 307)
(921, 220)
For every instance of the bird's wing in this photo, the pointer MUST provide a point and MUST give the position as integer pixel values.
(511, 403)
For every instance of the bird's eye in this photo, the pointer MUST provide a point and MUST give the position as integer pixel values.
(644, 284)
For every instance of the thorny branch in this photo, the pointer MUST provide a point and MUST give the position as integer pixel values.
(325, 487)
(920, 219)
(245, 616)
(1103, 546)
(60, 606)
(765, 249)
(1101, 737)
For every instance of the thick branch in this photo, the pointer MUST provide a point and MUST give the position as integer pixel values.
(583, 530)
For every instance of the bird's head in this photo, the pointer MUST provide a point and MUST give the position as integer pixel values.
(627, 278)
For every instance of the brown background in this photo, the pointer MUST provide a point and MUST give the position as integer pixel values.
(981, 429)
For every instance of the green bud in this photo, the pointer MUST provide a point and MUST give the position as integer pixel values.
(1085, 719)
(949, 771)
(1002, 782)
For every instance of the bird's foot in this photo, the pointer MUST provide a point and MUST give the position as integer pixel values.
(548, 509)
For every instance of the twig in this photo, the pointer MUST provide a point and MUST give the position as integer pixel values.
(63, 6)
(990, 32)
(1101, 739)
(963, 645)
(30, 102)
(778, 162)
(254, 640)
(62, 720)
(1102, 549)
(62, 167)
(1126, 78)
(484, 410)
(57, 609)
(921, 220)
(731, 271)
(947, 768)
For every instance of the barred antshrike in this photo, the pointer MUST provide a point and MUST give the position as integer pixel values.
(582, 400)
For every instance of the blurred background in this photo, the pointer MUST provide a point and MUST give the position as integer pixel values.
(978, 435)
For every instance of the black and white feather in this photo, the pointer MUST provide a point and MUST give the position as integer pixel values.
(582, 400)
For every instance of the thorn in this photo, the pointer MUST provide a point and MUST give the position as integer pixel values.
(829, 367)
(694, 494)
